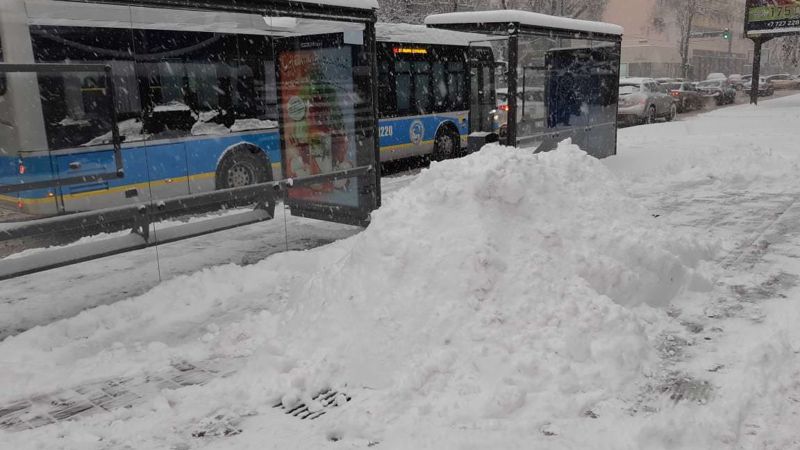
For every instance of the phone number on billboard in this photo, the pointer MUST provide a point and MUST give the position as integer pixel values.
(784, 23)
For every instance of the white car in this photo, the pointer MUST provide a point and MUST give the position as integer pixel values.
(530, 109)
(642, 100)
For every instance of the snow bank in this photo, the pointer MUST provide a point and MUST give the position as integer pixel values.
(498, 285)
(496, 293)
(730, 146)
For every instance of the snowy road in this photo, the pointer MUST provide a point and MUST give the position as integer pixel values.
(670, 323)
(42, 298)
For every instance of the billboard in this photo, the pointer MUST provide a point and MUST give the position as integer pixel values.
(767, 17)
(318, 118)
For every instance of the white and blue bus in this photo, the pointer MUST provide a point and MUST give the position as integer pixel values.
(196, 102)
(435, 88)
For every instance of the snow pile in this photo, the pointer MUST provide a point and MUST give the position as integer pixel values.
(731, 147)
(493, 286)
(499, 294)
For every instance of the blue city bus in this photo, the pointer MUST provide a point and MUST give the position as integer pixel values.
(196, 105)
(435, 88)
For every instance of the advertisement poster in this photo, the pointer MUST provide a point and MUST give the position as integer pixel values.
(318, 119)
(773, 16)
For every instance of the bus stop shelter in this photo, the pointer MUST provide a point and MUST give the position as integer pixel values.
(126, 115)
(562, 76)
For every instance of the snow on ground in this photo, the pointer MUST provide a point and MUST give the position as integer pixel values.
(503, 300)
(29, 301)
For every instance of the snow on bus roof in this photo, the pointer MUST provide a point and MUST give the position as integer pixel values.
(524, 18)
(419, 34)
(72, 14)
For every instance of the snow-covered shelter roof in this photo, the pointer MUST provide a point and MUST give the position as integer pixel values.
(418, 34)
(635, 80)
(525, 18)
(357, 4)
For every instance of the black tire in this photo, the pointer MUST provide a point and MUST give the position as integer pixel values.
(243, 167)
(651, 116)
(446, 145)
(673, 111)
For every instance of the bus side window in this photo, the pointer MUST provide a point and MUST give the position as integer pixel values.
(456, 84)
(402, 72)
(387, 104)
(422, 87)
(256, 90)
(439, 87)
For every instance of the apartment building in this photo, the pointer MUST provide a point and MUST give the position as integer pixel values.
(651, 42)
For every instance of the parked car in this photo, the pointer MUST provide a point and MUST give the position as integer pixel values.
(735, 80)
(642, 100)
(530, 109)
(719, 89)
(746, 78)
(686, 96)
(783, 81)
(765, 88)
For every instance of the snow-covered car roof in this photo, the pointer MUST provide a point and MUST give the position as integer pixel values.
(419, 34)
(524, 18)
(635, 80)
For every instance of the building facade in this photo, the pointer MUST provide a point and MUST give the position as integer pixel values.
(651, 42)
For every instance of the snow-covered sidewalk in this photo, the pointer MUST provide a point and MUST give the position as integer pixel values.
(504, 300)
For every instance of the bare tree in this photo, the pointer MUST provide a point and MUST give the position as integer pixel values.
(578, 9)
(790, 51)
(685, 14)
(583, 9)
(414, 11)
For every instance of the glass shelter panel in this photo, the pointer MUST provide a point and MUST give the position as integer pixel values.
(180, 123)
(567, 90)
(58, 160)
(604, 93)
(561, 82)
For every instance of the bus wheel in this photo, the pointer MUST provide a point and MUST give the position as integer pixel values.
(243, 167)
(445, 146)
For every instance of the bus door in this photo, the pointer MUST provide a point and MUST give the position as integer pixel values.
(482, 100)
(83, 151)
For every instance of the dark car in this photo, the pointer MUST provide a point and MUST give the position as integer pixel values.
(765, 88)
(719, 89)
(686, 96)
